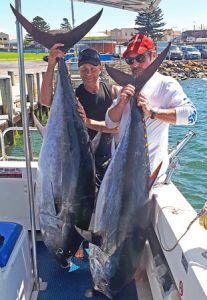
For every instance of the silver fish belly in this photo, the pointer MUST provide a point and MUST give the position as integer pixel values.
(66, 174)
(123, 211)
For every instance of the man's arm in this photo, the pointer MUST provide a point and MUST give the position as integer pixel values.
(166, 115)
(177, 107)
(47, 82)
(115, 112)
(115, 91)
(100, 126)
(182, 112)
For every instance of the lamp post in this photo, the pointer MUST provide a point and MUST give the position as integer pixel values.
(173, 34)
(194, 29)
(72, 12)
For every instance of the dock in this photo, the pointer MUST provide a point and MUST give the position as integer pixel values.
(10, 98)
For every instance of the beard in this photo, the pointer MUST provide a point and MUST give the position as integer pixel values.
(137, 71)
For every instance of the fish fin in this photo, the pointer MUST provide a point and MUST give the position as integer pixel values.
(153, 176)
(48, 40)
(95, 142)
(70, 266)
(90, 236)
(123, 78)
(87, 250)
(39, 126)
(120, 77)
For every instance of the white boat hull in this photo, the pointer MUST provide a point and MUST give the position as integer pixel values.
(173, 214)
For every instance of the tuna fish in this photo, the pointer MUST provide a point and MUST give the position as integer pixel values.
(123, 208)
(65, 187)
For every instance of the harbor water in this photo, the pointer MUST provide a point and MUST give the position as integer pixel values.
(190, 177)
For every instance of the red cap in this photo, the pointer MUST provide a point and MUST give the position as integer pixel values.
(139, 44)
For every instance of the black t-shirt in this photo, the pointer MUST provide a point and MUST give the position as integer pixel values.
(95, 106)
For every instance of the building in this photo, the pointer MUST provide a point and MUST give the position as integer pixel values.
(196, 35)
(102, 46)
(100, 41)
(4, 40)
(122, 35)
(13, 44)
(171, 35)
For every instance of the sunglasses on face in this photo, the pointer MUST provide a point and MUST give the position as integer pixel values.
(140, 58)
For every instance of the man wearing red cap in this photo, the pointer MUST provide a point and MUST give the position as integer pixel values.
(162, 100)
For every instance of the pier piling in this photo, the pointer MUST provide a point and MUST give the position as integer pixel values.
(7, 101)
(30, 91)
(38, 79)
(11, 74)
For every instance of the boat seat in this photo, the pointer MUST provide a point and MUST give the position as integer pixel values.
(9, 233)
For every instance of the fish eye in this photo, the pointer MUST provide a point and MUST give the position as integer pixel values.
(59, 251)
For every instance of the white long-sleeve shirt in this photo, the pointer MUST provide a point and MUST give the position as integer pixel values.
(163, 92)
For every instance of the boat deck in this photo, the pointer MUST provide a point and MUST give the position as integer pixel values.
(64, 285)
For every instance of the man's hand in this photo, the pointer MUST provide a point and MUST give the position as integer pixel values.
(126, 93)
(82, 113)
(55, 53)
(144, 103)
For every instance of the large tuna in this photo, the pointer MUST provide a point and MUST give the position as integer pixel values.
(123, 206)
(65, 188)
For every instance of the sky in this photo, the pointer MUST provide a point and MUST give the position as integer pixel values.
(178, 14)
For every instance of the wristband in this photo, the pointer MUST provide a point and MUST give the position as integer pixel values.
(154, 111)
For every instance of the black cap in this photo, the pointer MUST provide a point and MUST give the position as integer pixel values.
(89, 56)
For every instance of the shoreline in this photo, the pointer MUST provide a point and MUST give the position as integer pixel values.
(180, 70)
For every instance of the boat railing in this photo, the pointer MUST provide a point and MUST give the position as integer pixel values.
(3, 145)
(173, 159)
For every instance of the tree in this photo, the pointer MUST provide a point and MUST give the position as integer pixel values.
(39, 23)
(150, 23)
(65, 24)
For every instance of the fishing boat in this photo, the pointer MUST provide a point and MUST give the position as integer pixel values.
(174, 260)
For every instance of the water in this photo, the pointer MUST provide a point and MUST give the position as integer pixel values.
(191, 176)
(17, 149)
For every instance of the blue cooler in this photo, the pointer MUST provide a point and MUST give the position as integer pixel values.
(9, 234)
(16, 280)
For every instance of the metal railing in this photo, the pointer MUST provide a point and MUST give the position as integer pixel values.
(173, 159)
(4, 156)
(1, 146)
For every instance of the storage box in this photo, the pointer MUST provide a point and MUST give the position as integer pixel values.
(16, 280)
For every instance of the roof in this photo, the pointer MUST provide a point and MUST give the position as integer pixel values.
(96, 34)
(132, 5)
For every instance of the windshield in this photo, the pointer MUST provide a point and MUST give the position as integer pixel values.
(173, 47)
(191, 49)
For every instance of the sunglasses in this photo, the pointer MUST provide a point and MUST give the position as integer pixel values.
(140, 58)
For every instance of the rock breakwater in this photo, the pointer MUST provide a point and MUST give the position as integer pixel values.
(181, 70)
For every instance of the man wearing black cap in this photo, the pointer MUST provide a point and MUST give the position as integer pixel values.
(95, 97)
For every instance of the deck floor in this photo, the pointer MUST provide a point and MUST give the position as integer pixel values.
(63, 285)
